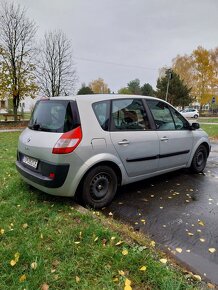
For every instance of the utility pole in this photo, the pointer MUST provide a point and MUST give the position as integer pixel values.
(169, 77)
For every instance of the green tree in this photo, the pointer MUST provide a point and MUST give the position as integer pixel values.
(147, 90)
(124, 91)
(178, 93)
(85, 90)
(134, 87)
(16, 55)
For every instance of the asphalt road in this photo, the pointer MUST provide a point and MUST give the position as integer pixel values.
(180, 212)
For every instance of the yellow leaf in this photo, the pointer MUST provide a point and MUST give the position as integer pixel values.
(17, 256)
(128, 287)
(125, 252)
(212, 250)
(2, 231)
(113, 238)
(121, 273)
(77, 279)
(210, 286)
(95, 240)
(110, 214)
(118, 243)
(202, 240)
(25, 226)
(179, 250)
(77, 243)
(13, 263)
(127, 282)
(152, 243)
(163, 261)
(201, 223)
(33, 265)
(143, 268)
(190, 234)
(116, 279)
(197, 277)
(22, 278)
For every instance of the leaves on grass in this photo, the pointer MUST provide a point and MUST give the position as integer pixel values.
(125, 252)
(212, 250)
(163, 261)
(33, 265)
(197, 277)
(22, 278)
(119, 243)
(15, 260)
(44, 286)
(25, 226)
(77, 279)
(2, 231)
(143, 268)
(152, 243)
(127, 284)
(201, 223)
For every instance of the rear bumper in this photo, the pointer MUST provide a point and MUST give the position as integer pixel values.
(41, 175)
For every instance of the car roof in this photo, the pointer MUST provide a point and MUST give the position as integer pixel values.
(100, 97)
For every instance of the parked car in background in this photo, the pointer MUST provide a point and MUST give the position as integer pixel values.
(89, 145)
(190, 113)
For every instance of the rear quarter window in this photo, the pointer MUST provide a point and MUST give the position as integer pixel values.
(102, 112)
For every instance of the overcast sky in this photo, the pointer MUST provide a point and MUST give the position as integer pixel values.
(120, 40)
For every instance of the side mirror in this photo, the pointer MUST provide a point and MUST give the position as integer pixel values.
(194, 126)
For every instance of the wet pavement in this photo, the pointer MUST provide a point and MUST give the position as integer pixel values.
(180, 212)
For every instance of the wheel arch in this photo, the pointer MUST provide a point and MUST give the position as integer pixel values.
(110, 164)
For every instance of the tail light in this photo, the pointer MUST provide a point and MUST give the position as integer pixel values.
(68, 141)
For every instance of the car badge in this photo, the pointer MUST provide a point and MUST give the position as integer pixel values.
(28, 140)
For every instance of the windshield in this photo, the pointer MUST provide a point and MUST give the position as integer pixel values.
(54, 116)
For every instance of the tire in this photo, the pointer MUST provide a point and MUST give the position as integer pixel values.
(195, 116)
(99, 187)
(199, 160)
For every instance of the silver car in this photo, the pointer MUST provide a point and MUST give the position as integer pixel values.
(89, 145)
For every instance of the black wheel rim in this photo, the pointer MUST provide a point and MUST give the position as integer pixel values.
(200, 159)
(100, 185)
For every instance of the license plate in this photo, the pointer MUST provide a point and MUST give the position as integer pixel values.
(30, 161)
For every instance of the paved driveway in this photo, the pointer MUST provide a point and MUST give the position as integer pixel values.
(180, 212)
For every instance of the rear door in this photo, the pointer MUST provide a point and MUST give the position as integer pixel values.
(136, 144)
(175, 137)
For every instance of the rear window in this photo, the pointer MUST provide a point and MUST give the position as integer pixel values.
(54, 116)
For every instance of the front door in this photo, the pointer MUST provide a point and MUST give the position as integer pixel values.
(136, 144)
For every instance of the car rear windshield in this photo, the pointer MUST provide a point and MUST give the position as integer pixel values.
(54, 116)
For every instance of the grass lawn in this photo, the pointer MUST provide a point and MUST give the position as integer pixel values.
(212, 130)
(46, 242)
(208, 120)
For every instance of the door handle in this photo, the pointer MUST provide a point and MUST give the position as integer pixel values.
(164, 138)
(123, 142)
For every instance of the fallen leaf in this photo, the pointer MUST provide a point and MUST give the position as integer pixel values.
(119, 243)
(127, 282)
(2, 231)
(77, 243)
(190, 234)
(113, 238)
(124, 252)
(163, 261)
(143, 268)
(77, 279)
(211, 286)
(95, 240)
(152, 243)
(33, 265)
(110, 214)
(202, 240)
(13, 263)
(116, 279)
(127, 287)
(25, 226)
(22, 278)
(44, 286)
(121, 273)
(201, 223)
(179, 250)
(212, 250)
(197, 277)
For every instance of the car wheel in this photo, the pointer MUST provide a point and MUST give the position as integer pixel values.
(199, 160)
(195, 116)
(99, 186)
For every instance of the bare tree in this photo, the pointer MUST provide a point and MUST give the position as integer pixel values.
(56, 74)
(16, 40)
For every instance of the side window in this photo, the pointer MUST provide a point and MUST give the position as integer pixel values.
(129, 114)
(180, 122)
(162, 115)
(101, 110)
